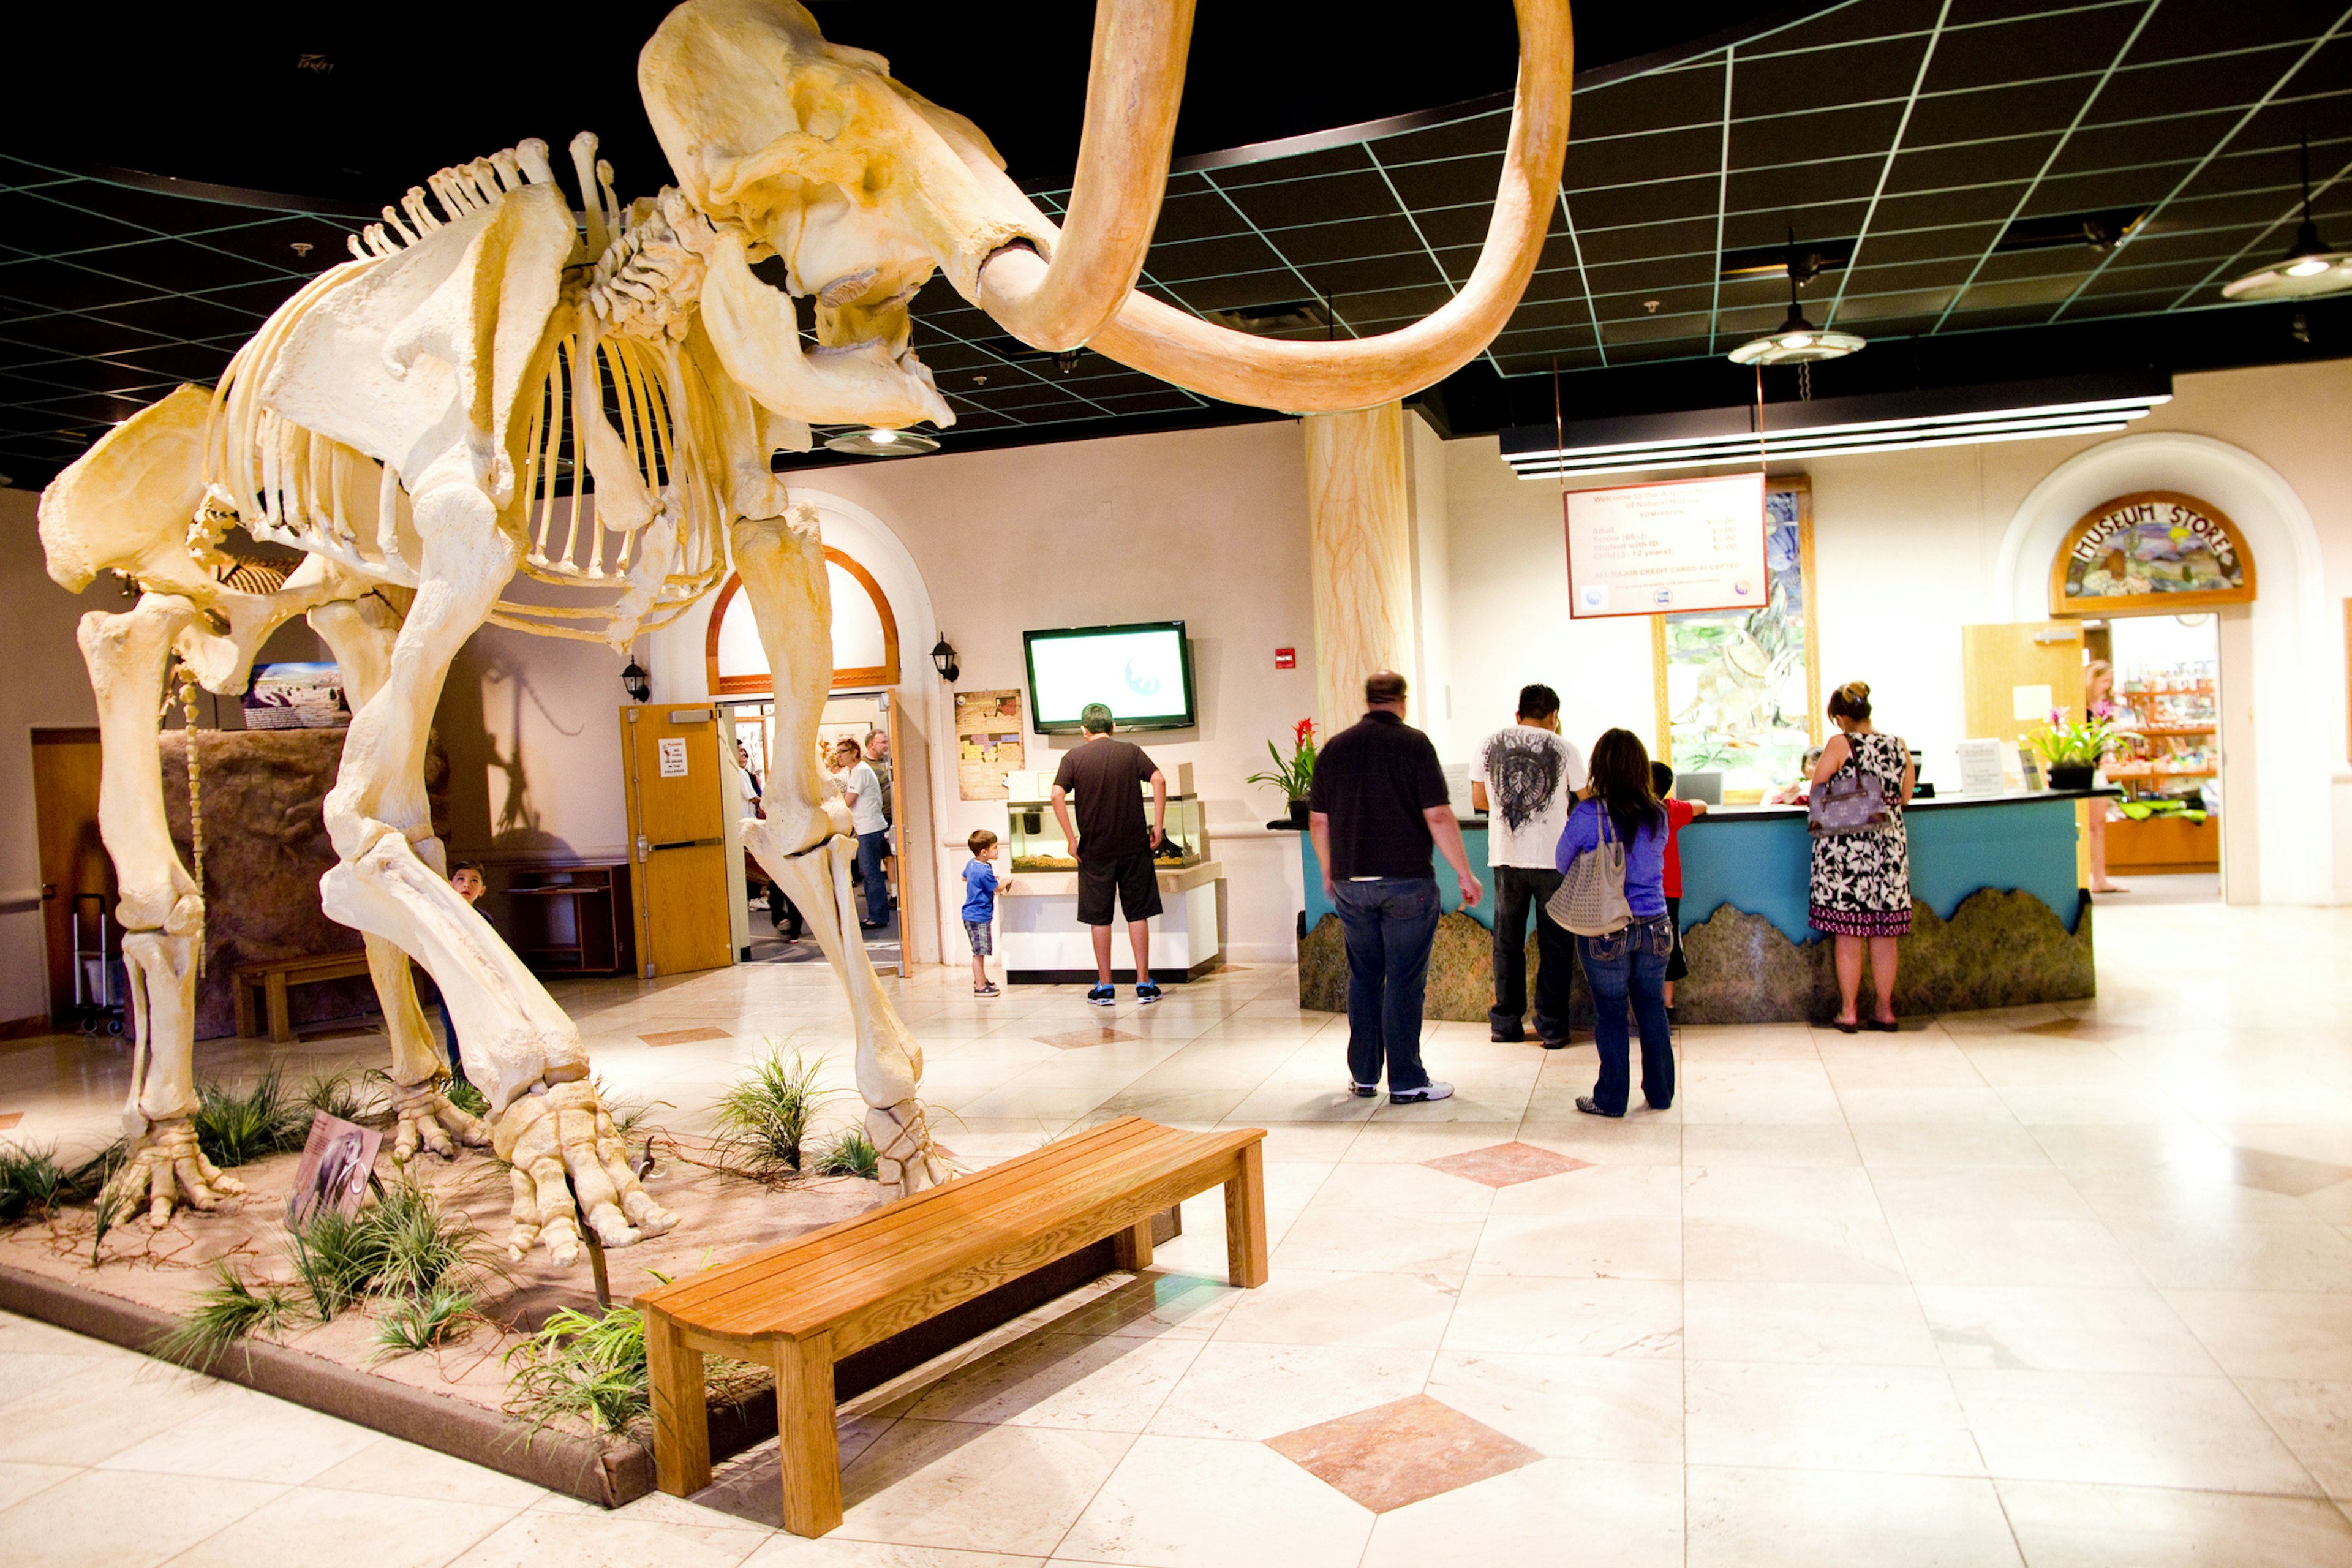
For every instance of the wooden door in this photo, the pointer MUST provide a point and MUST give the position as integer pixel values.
(677, 837)
(2016, 674)
(73, 858)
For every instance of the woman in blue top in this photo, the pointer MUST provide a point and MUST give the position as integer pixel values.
(1631, 962)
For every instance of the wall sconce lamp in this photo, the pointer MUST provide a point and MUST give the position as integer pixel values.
(944, 659)
(638, 684)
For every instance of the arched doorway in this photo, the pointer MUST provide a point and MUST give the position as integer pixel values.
(2278, 771)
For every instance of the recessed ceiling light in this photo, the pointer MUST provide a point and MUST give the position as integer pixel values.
(2309, 268)
(881, 443)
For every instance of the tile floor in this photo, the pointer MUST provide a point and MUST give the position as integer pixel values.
(2058, 1286)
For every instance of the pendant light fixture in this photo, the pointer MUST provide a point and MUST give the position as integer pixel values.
(2309, 268)
(881, 443)
(1797, 340)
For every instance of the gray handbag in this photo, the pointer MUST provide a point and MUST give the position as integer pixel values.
(1850, 802)
(1591, 899)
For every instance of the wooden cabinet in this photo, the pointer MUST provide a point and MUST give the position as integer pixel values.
(2164, 845)
(571, 920)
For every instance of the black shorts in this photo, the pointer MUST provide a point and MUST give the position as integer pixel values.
(1131, 875)
(1675, 967)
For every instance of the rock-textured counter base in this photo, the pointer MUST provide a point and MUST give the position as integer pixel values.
(1999, 949)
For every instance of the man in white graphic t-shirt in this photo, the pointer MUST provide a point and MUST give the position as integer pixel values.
(1524, 777)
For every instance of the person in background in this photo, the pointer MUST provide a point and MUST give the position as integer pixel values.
(1112, 847)
(1628, 965)
(864, 794)
(466, 878)
(1862, 881)
(878, 757)
(1378, 803)
(2099, 702)
(1680, 813)
(748, 780)
(1523, 777)
(982, 883)
(1794, 792)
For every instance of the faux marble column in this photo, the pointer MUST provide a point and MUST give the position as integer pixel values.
(1359, 552)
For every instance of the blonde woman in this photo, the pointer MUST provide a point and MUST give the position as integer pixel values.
(1861, 890)
(2099, 702)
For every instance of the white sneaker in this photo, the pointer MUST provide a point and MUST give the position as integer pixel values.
(1430, 1090)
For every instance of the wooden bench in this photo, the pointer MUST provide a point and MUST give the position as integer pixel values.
(276, 977)
(802, 1307)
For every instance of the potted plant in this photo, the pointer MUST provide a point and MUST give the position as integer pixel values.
(2071, 749)
(1294, 776)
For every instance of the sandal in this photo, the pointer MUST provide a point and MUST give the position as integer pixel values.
(1883, 1025)
(1843, 1028)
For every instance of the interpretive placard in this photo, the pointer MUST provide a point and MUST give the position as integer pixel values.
(337, 1160)
(1652, 550)
(673, 756)
(988, 742)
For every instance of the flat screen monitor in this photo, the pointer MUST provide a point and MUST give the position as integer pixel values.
(1142, 671)
(1707, 786)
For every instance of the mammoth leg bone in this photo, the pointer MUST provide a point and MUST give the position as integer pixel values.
(545, 1118)
(360, 633)
(161, 909)
(804, 842)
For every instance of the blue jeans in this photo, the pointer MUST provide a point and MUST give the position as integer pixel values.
(1630, 963)
(871, 848)
(1388, 924)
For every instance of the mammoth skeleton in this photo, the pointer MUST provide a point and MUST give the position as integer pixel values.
(502, 411)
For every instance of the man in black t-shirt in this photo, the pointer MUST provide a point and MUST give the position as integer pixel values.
(1113, 847)
(1378, 803)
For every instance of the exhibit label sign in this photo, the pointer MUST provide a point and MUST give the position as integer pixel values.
(2151, 550)
(1653, 550)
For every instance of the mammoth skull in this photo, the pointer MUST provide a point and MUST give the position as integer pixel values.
(809, 151)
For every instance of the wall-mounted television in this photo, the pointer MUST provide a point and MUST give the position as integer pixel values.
(1143, 670)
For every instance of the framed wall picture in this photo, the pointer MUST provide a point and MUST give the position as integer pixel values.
(1738, 692)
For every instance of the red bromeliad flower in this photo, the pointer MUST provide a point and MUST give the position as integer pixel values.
(1304, 735)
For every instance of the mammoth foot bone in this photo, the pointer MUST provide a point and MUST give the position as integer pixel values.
(424, 1118)
(564, 1132)
(163, 1168)
(908, 1160)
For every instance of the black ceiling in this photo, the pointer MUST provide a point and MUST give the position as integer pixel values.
(1937, 153)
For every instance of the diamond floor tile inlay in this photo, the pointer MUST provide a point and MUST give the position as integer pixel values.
(684, 1037)
(10, 1119)
(1079, 1039)
(2289, 1174)
(1506, 1164)
(1401, 1452)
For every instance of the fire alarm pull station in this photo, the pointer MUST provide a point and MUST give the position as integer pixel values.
(1286, 659)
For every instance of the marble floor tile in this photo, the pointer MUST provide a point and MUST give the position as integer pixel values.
(1902, 1420)
(2060, 1329)
(1566, 1246)
(1246, 1391)
(248, 1436)
(1301, 1306)
(2309, 1256)
(1742, 1192)
(20, 1481)
(393, 1468)
(1897, 1145)
(1837, 1519)
(121, 1401)
(1374, 1191)
(2315, 1421)
(1568, 1317)
(1793, 1249)
(1589, 1407)
(2302, 1335)
(1999, 1251)
(1401, 1452)
(371, 1530)
(1093, 1384)
(1594, 1514)
(2070, 1526)
(537, 1538)
(1176, 1501)
(121, 1519)
(1435, 1246)
(1735, 1145)
(1850, 1324)
(949, 1483)
(2128, 1429)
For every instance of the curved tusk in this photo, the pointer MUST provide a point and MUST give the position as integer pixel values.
(1327, 378)
(1133, 91)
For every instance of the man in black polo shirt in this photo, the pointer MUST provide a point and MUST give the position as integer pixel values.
(1378, 803)
(1113, 848)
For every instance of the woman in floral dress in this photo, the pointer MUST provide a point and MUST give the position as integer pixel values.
(1862, 881)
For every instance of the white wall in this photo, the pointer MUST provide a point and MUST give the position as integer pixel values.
(1911, 546)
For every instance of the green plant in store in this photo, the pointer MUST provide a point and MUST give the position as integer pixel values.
(763, 1120)
(1296, 775)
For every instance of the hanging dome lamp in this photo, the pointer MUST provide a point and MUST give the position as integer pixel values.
(2310, 268)
(1797, 340)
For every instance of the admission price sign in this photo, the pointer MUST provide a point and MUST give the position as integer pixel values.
(1662, 549)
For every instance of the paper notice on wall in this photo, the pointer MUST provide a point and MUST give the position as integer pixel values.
(673, 756)
(1650, 550)
(988, 747)
(1981, 770)
(2030, 702)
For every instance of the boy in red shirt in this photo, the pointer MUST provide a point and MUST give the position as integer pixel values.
(1679, 813)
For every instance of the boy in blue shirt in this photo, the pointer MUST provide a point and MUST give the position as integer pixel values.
(982, 883)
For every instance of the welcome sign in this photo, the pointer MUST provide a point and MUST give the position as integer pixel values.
(2151, 550)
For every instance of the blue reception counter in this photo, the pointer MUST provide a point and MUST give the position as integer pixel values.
(1998, 917)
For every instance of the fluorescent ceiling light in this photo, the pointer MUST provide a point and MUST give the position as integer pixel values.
(1837, 427)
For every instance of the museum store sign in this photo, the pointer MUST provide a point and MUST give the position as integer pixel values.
(2151, 550)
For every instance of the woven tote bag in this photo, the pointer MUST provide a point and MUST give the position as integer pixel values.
(1591, 899)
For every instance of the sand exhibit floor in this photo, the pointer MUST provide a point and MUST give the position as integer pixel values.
(2071, 1285)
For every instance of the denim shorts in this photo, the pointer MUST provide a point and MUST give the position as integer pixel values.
(978, 931)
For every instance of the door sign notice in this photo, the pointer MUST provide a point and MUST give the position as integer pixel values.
(1653, 550)
(673, 757)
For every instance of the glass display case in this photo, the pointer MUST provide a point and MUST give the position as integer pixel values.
(1035, 842)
